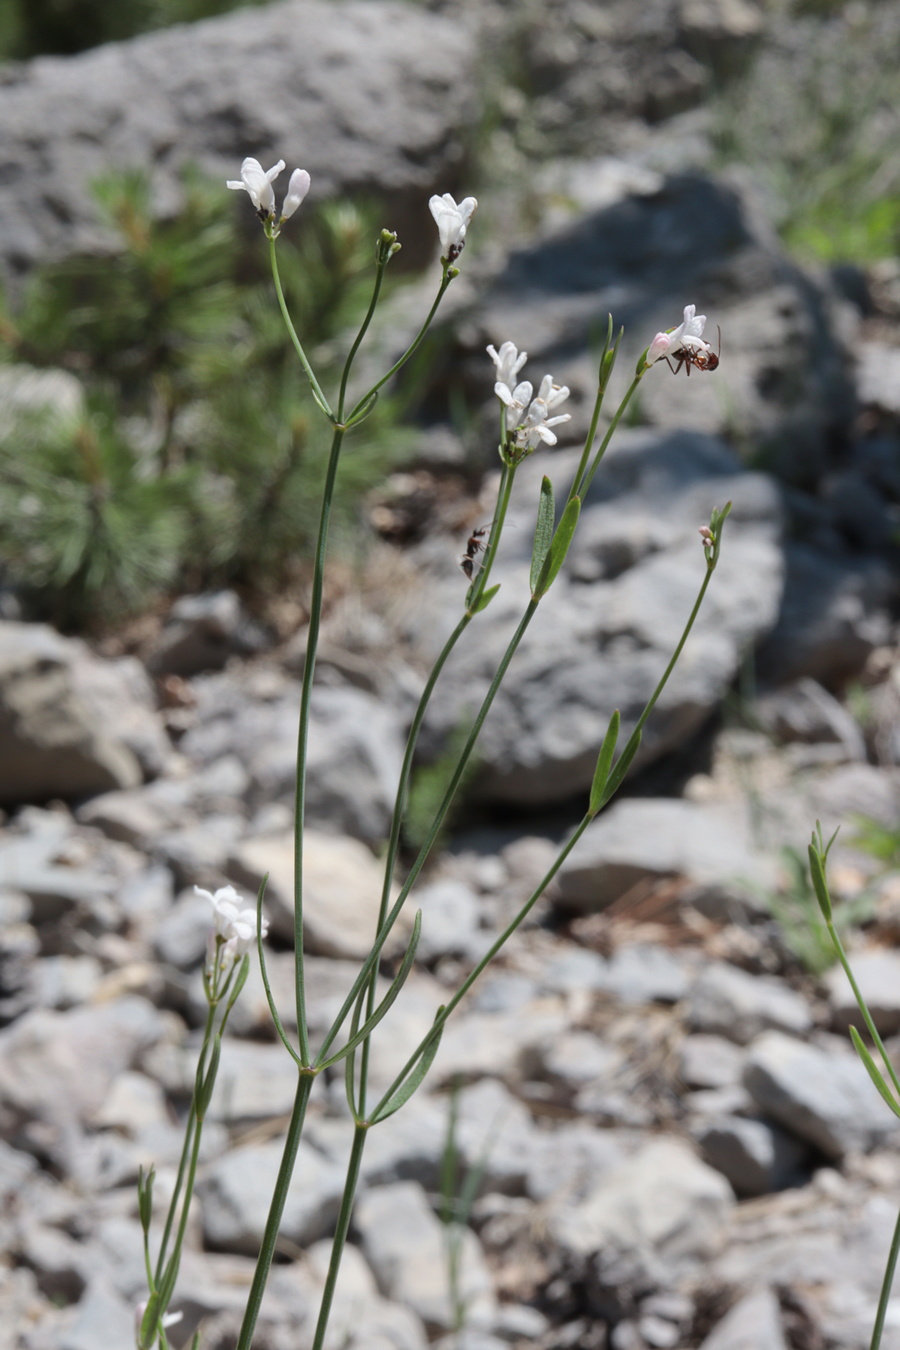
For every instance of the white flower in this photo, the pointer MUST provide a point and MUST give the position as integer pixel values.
(509, 361)
(534, 427)
(235, 926)
(297, 190)
(258, 182)
(452, 222)
(688, 335)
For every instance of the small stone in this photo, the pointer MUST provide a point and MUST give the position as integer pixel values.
(730, 1002)
(406, 1246)
(756, 1157)
(822, 1095)
(754, 1323)
(709, 1062)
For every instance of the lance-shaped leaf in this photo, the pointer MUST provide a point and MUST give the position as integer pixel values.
(558, 548)
(410, 1084)
(209, 1082)
(604, 763)
(873, 1071)
(364, 409)
(623, 764)
(486, 597)
(543, 531)
(385, 1004)
(820, 885)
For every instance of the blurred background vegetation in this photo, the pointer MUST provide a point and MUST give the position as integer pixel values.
(192, 459)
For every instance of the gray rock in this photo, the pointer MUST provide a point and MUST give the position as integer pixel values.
(373, 104)
(833, 613)
(822, 1095)
(493, 1134)
(54, 740)
(577, 968)
(450, 921)
(102, 1317)
(645, 973)
(567, 1163)
(756, 1157)
(754, 1323)
(235, 1192)
(406, 1246)
(355, 748)
(200, 633)
(730, 1002)
(709, 1062)
(342, 883)
(877, 973)
(663, 1200)
(574, 1059)
(56, 1068)
(804, 711)
(641, 838)
(541, 740)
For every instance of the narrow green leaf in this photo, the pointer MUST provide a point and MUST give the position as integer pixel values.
(145, 1196)
(409, 1086)
(559, 548)
(604, 763)
(149, 1320)
(623, 764)
(385, 1004)
(364, 410)
(820, 885)
(543, 531)
(205, 1094)
(486, 597)
(243, 972)
(873, 1072)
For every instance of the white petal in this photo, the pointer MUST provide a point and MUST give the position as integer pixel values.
(297, 190)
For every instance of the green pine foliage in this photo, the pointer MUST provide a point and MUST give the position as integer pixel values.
(196, 459)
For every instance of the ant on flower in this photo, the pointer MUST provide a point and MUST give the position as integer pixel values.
(702, 357)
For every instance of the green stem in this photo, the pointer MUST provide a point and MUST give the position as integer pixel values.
(602, 386)
(503, 495)
(276, 1210)
(314, 383)
(379, 278)
(312, 642)
(371, 960)
(340, 1237)
(485, 961)
(886, 1286)
(445, 282)
(190, 1127)
(861, 1004)
(617, 417)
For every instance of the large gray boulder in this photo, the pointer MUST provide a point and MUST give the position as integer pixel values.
(70, 724)
(369, 97)
(606, 631)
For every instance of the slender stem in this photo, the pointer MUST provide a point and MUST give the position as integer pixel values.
(592, 430)
(397, 824)
(485, 961)
(340, 1237)
(314, 383)
(861, 1004)
(186, 1146)
(371, 960)
(380, 265)
(500, 509)
(617, 417)
(276, 1210)
(886, 1285)
(503, 495)
(312, 642)
(445, 282)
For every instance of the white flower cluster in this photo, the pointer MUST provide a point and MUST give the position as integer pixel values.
(528, 419)
(688, 336)
(258, 182)
(235, 927)
(452, 222)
